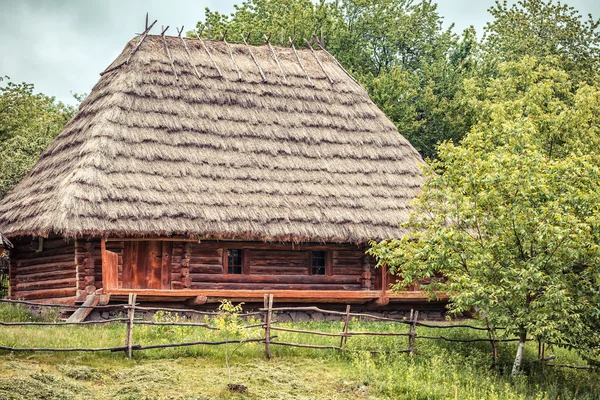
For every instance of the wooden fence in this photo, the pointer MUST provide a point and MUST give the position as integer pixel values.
(269, 325)
(3, 277)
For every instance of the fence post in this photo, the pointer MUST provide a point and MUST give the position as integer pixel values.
(344, 338)
(131, 315)
(413, 332)
(268, 325)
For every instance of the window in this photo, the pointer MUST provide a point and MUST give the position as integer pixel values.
(318, 262)
(234, 261)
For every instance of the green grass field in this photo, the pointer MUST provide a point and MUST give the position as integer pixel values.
(440, 370)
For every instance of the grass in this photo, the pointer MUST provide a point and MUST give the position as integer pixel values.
(440, 370)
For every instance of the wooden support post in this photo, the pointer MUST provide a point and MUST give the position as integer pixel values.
(344, 338)
(131, 315)
(413, 332)
(268, 325)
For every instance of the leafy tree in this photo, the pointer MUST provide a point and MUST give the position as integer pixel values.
(231, 325)
(282, 19)
(541, 28)
(28, 124)
(510, 218)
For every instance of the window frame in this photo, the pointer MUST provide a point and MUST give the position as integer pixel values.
(244, 257)
(327, 266)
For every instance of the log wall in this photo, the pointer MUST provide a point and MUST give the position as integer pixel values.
(278, 266)
(47, 275)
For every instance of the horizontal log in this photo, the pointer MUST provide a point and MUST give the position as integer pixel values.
(284, 279)
(46, 293)
(274, 286)
(251, 294)
(273, 253)
(347, 254)
(206, 269)
(47, 245)
(206, 260)
(59, 266)
(44, 276)
(347, 271)
(203, 252)
(32, 255)
(356, 262)
(278, 270)
(271, 246)
(63, 258)
(254, 262)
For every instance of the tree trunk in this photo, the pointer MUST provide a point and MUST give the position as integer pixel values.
(520, 350)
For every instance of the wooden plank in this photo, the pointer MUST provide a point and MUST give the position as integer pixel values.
(130, 251)
(110, 262)
(290, 294)
(167, 251)
(81, 314)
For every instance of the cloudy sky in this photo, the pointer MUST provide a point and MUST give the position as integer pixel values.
(62, 45)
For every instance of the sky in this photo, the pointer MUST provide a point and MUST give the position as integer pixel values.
(62, 45)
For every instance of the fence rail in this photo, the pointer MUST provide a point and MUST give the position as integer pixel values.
(268, 324)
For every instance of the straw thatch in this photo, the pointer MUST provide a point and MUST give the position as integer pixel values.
(158, 149)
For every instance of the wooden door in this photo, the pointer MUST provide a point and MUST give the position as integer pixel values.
(147, 265)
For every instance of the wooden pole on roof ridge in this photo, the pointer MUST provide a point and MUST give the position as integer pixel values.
(133, 51)
(319, 61)
(146, 21)
(338, 63)
(268, 39)
(300, 62)
(245, 39)
(187, 50)
(232, 59)
(168, 52)
(198, 35)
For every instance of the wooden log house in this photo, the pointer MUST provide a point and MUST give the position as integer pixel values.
(198, 170)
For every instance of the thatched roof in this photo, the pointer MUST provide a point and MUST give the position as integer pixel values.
(157, 149)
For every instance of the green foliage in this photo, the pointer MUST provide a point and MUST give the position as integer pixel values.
(231, 325)
(22, 313)
(28, 124)
(170, 333)
(539, 28)
(184, 373)
(509, 219)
